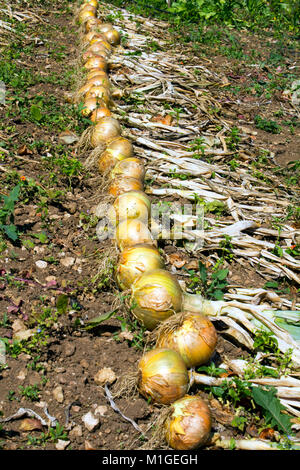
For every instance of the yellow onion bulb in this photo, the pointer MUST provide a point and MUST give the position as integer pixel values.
(98, 48)
(88, 7)
(117, 150)
(131, 232)
(132, 167)
(104, 131)
(96, 62)
(194, 338)
(112, 36)
(100, 92)
(99, 80)
(120, 185)
(87, 37)
(136, 260)
(162, 376)
(101, 41)
(130, 205)
(96, 73)
(92, 24)
(89, 105)
(156, 295)
(85, 15)
(189, 425)
(90, 55)
(99, 113)
(105, 27)
(94, 3)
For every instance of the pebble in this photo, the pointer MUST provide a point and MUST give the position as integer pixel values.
(105, 375)
(41, 264)
(100, 410)
(58, 394)
(91, 421)
(22, 375)
(61, 445)
(76, 431)
(69, 349)
(67, 261)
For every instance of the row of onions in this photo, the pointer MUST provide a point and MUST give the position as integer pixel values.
(185, 338)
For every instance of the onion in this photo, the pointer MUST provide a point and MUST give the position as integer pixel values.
(130, 205)
(91, 35)
(117, 150)
(136, 260)
(163, 376)
(156, 295)
(96, 73)
(96, 62)
(192, 335)
(132, 232)
(98, 48)
(89, 105)
(104, 131)
(85, 15)
(99, 113)
(189, 425)
(106, 27)
(101, 41)
(89, 55)
(92, 23)
(132, 167)
(112, 36)
(99, 80)
(88, 7)
(100, 92)
(91, 2)
(122, 185)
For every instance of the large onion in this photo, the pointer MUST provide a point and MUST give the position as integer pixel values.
(131, 232)
(130, 167)
(99, 48)
(96, 62)
(192, 335)
(130, 205)
(120, 185)
(91, 2)
(100, 112)
(189, 425)
(104, 131)
(136, 260)
(156, 295)
(163, 376)
(85, 15)
(113, 36)
(117, 150)
(91, 35)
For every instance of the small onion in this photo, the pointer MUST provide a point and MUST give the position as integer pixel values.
(189, 425)
(156, 295)
(113, 36)
(104, 131)
(132, 232)
(99, 113)
(162, 376)
(130, 205)
(122, 185)
(136, 260)
(96, 62)
(132, 167)
(194, 338)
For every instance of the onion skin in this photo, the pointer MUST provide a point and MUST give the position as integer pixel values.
(85, 15)
(117, 150)
(195, 339)
(99, 113)
(104, 131)
(156, 295)
(92, 24)
(122, 185)
(89, 105)
(100, 92)
(98, 80)
(113, 37)
(136, 260)
(162, 376)
(132, 232)
(129, 167)
(96, 72)
(96, 62)
(190, 424)
(130, 205)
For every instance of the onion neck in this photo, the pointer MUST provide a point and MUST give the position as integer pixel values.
(196, 303)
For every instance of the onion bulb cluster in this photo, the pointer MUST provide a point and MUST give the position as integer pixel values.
(189, 425)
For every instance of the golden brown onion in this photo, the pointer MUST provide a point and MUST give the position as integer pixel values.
(92, 2)
(89, 105)
(103, 42)
(104, 131)
(189, 425)
(136, 260)
(92, 24)
(96, 62)
(88, 7)
(156, 295)
(100, 112)
(99, 80)
(122, 185)
(85, 15)
(132, 232)
(100, 92)
(96, 72)
(91, 35)
(106, 27)
(99, 48)
(163, 376)
(131, 205)
(116, 150)
(194, 337)
(112, 36)
(132, 167)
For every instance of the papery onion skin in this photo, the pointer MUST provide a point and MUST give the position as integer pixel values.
(96, 72)
(113, 37)
(89, 105)
(190, 424)
(92, 23)
(130, 205)
(136, 260)
(132, 167)
(100, 92)
(195, 339)
(96, 62)
(122, 185)
(132, 232)
(98, 80)
(118, 149)
(104, 131)
(91, 2)
(156, 295)
(162, 376)
(85, 16)
(99, 113)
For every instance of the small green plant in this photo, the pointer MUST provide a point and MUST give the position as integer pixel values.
(211, 286)
(7, 225)
(31, 392)
(267, 125)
